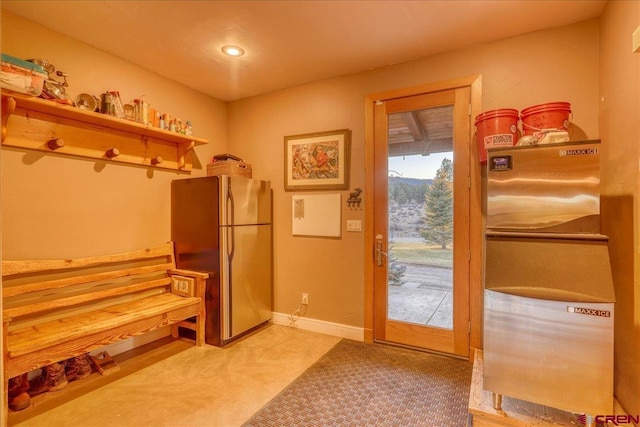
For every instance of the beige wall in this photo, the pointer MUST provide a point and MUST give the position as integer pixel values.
(554, 65)
(620, 131)
(55, 206)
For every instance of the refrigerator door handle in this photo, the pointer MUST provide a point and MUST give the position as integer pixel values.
(230, 250)
(231, 244)
(230, 205)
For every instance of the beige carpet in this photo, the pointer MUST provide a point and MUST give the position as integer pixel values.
(358, 384)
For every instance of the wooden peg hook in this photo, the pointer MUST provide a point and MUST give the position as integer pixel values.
(55, 143)
(114, 152)
(157, 160)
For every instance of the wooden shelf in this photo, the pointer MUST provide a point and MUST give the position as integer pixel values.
(43, 125)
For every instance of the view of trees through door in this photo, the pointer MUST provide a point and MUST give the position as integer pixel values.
(420, 270)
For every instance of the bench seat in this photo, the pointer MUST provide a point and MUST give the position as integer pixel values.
(93, 330)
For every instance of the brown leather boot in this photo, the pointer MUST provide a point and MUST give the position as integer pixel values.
(19, 399)
(52, 378)
(78, 367)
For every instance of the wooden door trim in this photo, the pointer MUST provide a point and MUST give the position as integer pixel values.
(398, 332)
(381, 123)
(468, 81)
(476, 225)
(474, 82)
(462, 229)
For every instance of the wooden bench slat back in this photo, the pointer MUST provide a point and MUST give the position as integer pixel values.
(11, 268)
(39, 290)
(77, 280)
(79, 299)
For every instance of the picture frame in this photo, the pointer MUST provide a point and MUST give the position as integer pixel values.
(317, 161)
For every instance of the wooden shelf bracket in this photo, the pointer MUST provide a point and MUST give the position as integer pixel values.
(8, 107)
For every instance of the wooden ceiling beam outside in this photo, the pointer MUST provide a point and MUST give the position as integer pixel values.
(420, 132)
(442, 145)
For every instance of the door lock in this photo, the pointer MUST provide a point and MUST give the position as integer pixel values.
(379, 252)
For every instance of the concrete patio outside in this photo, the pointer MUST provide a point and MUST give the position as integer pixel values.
(425, 297)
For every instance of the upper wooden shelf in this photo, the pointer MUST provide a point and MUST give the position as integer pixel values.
(39, 124)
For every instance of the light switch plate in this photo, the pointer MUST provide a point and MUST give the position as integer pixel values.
(354, 225)
(636, 40)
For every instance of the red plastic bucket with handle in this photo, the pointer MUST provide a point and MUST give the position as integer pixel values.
(554, 116)
(496, 128)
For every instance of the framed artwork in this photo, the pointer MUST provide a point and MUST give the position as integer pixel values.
(317, 161)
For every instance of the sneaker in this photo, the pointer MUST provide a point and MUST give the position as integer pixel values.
(52, 378)
(77, 368)
(19, 399)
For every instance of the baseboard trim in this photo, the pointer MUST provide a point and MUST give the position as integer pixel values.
(321, 326)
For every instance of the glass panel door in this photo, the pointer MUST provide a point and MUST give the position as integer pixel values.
(421, 223)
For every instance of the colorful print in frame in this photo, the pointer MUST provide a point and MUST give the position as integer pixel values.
(317, 161)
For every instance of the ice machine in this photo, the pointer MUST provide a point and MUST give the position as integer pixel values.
(549, 299)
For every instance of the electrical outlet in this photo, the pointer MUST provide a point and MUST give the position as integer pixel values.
(182, 285)
(305, 299)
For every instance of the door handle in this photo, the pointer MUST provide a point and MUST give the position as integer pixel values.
(379, 251)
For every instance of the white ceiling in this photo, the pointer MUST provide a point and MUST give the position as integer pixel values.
(288, 43)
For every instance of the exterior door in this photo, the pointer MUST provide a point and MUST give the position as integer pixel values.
(421, 221)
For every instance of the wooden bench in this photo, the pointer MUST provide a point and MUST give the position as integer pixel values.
(54, 310)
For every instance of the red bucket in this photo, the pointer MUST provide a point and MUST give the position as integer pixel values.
(554, 116)
(496, 128)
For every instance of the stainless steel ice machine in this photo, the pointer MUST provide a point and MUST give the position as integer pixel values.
(549, 299)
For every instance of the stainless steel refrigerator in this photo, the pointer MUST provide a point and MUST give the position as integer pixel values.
(222, 225)
(549, 298)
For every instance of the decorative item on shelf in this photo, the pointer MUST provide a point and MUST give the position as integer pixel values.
(156, 119)
(354, 199)
(21, 76)
(106, 104)
(55, 143)
(128, 111)
(88, 102)
(117, 104)
(141, 111)
(53, 89)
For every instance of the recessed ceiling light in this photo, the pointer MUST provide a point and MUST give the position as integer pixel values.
(233, 50)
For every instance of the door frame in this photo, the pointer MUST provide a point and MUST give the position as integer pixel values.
(476, 222)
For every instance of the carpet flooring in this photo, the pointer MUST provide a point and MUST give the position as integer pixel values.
(357, 384)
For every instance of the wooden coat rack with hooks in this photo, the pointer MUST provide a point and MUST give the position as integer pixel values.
(47, 126)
